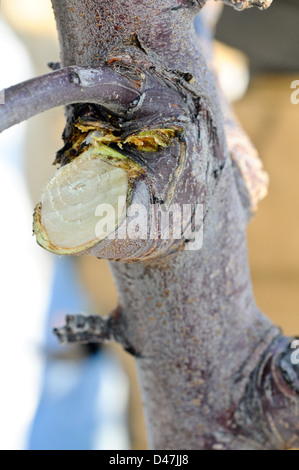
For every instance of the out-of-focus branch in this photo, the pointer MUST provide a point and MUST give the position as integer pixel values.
(252, 180)
(242, 4)
(82, 329)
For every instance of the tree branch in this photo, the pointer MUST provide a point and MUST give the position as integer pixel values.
(215, 373)
(84, 329)
(81, 329)
(242, 4)
(69, 85)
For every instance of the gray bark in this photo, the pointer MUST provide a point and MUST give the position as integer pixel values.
(214, 372)
(191, 319)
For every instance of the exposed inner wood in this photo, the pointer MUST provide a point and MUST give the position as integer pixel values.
(65, 221)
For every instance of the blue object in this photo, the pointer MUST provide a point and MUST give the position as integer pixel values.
(75, 410)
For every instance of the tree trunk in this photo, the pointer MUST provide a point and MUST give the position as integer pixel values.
(214, 372)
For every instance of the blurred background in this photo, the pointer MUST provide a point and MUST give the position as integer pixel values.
(87, 397)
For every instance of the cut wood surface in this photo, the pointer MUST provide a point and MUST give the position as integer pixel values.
(214, 372)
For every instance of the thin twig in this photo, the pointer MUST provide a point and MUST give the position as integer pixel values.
(84, 329)
(69, 85)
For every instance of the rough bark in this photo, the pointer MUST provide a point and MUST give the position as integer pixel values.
(215, 373)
